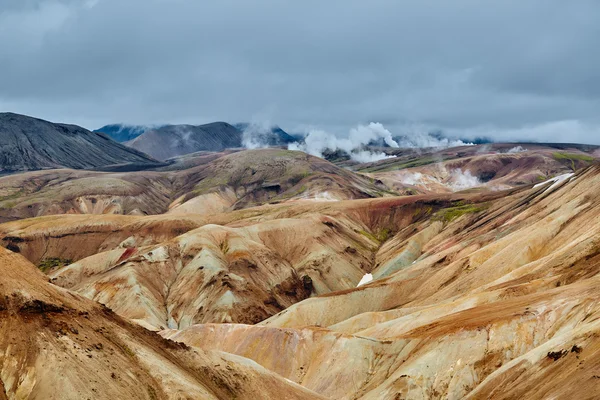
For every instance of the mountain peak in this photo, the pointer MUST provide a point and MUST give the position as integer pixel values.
(30, 143)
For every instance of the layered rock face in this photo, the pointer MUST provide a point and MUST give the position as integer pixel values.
(58, 345)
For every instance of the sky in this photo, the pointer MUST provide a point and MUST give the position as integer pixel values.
(505, 69)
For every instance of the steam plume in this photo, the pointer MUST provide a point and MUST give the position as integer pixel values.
(317, 141)
(256, 135)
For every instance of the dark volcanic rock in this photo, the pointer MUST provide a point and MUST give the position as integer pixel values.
(175, 140)
(28, 143)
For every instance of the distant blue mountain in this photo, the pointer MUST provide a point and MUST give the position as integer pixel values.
(478, 140)
(433, 137)
(123, 133)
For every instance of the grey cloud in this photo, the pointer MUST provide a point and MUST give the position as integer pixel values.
(469, 67)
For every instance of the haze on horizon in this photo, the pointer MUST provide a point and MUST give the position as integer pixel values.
(510, 70)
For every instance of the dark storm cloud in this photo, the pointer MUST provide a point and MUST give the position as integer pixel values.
(512, 69)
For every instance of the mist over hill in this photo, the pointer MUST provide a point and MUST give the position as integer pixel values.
(175, 140)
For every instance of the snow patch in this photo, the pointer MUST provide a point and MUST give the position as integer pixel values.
(365, 279)
(557, 181)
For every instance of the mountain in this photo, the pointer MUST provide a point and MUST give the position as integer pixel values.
(273, 136)
(123, 133)
(30, 144)
(176, 140)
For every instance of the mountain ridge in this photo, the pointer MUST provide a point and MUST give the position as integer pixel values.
(169, 141)
(124, 132)
(30, 143)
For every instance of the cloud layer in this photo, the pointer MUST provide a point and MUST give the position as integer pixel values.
(514, 69)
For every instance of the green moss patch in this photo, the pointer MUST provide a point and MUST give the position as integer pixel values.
(398, 166)
(53, 263)
(452, 213)
(381, 236)
(572, 158)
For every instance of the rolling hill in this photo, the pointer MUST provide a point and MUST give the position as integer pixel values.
(201, 184)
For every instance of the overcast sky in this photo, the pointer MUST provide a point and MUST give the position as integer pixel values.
(511, 69)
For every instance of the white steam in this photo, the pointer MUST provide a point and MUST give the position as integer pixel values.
(136, 129)
(416, 135)
(455, 180)
(460, 180)
(517, 149)
(423, 140)
(317, 141)
(183, 137)
(319, 196)
(412, 178)
(412, 136)
(364, 134)
(256, 135)
(366, 156)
